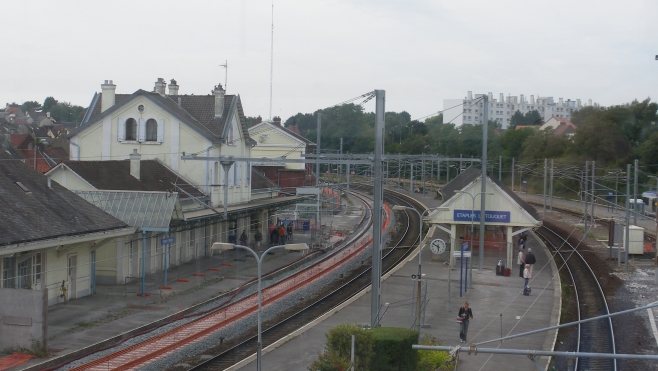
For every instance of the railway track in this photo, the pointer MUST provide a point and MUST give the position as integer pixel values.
(163, 345)
(325, 301)
(596, 336)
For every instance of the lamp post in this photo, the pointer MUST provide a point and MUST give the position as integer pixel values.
(420, 251)
(472, 221)
(222, 246)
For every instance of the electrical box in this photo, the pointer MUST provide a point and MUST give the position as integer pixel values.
(636, 245)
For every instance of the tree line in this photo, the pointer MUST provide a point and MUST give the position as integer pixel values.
(59, 111)
(612, 136)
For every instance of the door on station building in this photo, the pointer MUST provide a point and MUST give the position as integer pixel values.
(72, 275)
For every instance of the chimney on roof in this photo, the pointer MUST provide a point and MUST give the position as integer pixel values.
(107, 101)
(561, 102)
(135, 159)
(258, 120)
(219, 101)
(173, 88)
(160, 86)
(532, 99)
(470, 95)
(277, 120)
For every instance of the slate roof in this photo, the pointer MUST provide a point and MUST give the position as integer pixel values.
(197, 110)
(20, 140)
(43, 213)
(115, 175)
(471, 174)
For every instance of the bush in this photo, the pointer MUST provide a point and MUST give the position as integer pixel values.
(430, 360)
(330, 361)
(393, 349)
(339, 340)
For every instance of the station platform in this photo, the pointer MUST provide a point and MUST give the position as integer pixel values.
(116, 309)
(498, 305)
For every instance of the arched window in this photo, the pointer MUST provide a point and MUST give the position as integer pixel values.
(131, 129)
(151, 130)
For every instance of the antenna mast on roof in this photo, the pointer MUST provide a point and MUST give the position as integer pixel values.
(271, 58)
(225, 65)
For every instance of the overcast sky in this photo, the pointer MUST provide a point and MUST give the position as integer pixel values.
(326, 52)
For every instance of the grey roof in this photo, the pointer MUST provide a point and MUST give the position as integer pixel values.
(43, 213)
(115, 175)
(198, 111)
(471, 174)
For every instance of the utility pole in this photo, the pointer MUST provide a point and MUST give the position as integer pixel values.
(485, 130)
(340, 166)
(500, 168)
(378, 200)
(460, 164)
(635, 211)
(411, 177)
(422, 173)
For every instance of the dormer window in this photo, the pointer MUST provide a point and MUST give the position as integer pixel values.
(131, 129)
(151, 130)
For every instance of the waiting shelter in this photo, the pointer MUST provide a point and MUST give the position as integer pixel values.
(506, 216)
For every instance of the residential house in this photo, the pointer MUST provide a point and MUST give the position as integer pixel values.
(560, 126)
(275, 140)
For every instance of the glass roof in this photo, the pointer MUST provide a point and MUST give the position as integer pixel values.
(137, 209)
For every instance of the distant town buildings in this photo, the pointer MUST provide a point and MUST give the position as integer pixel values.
(470, 109)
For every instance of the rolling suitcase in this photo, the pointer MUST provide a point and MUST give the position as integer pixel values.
(526, 291)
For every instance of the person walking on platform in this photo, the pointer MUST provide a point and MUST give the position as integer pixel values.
(244, 238)
(282, 235)
(466, 315)
(274, 236)
(520, 260)
(530, 259)
(258, 237)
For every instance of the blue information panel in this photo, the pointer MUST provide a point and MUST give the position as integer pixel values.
(167, 241)
(489, 216)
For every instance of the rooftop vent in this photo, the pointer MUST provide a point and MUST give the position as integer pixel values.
(23, 187)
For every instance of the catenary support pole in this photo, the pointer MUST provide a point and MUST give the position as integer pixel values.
(593, 189)
(422, 174)
(317, 174)
(411, 177)
(585, 194)
(513, 174)
(340, 167)
(378, 193)
(143, 263)
(545, 171)
(500, 168)
(635, 209)
(551, 188)
(628, 210)
(348, 177)
(485, 131)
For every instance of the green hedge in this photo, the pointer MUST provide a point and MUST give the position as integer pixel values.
(393, 349)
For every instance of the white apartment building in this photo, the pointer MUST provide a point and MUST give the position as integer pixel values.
(470, 110)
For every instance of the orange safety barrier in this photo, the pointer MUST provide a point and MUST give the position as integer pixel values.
(183, 280)
(165, 287)
(227, 264)
(198, 274)
(214, 269)
(140, 294)
(158, 346)
(14, 360)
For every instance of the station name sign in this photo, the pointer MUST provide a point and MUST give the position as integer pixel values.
(489, 216)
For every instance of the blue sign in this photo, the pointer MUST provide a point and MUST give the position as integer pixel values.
(167, 241)
(489, 216)
(465, 246)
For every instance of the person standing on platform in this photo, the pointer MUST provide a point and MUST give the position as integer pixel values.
(520, 260)
(466, 315)
(282, 235)
(270, 231)
(530, 259)
(244, 238)
(527, 274)
(275, 235)
(258, 237)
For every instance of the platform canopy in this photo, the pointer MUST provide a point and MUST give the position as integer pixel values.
(503, 207)
(145, 210)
